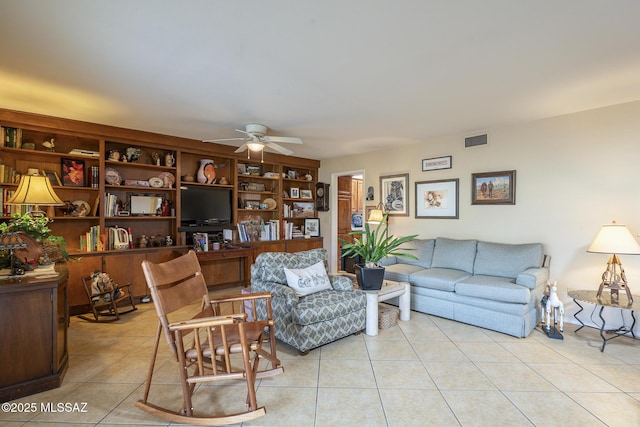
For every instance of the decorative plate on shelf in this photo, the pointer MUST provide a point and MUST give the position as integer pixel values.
(167, 179)
(80, 208)
(156, 182)
(112, 176)
(271, 204)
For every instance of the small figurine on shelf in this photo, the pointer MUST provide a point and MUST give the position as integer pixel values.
(49, 145)
(132, 154)
(169, 160)
(156, 158)
(168, 241)
(143, 241)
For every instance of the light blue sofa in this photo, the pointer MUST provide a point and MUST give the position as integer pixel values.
(492, 285)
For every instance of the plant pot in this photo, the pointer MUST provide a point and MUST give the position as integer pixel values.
(369, 278)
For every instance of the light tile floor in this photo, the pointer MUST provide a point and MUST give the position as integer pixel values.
(427, 371)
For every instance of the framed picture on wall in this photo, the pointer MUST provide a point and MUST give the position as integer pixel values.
(437, 199)
(72, 172)
(436, 163)
(493, 188)
(394, 195)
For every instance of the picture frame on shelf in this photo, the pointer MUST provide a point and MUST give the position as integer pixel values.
(295, 193)
(394, 194)
(306, 194)
(437, 199)
(493, 188)
(73, 172)
(303, 210)
(53, 177)
(312, 227)
(436, 163)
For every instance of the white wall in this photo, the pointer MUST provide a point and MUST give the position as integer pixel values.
(574, 173)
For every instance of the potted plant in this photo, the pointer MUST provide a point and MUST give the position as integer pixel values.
(373, 244)
(36, 227)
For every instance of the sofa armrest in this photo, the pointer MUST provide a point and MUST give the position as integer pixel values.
(533, 277)
(388, 260)
(341, 283)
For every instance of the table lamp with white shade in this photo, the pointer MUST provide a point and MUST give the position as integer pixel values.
(614, 239)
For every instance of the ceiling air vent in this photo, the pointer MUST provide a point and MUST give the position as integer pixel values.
(475, 141)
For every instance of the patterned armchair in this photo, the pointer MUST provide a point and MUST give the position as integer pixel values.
(313, 320)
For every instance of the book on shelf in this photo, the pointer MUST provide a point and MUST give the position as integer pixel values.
(90, 241)
(94, 177)
(11, 137)
(86, 153)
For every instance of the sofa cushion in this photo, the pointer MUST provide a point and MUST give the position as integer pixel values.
(454, 254)
(505, 260)
(400, 272)
(306, 281)
(422, 249)
(443, 279)
(493, 288)
(327, 305)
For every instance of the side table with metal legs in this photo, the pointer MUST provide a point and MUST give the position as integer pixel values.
(605, 301)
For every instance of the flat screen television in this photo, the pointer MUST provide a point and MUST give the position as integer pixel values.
(205, 205)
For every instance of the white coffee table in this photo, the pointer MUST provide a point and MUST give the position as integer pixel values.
(390, 289)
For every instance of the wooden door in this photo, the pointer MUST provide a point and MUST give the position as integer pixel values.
(344, 212)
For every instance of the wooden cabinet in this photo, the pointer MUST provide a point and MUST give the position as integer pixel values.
(121, 168)
(34, 315)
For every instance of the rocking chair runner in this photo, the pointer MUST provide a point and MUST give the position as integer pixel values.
(104, 305)
(203, 344)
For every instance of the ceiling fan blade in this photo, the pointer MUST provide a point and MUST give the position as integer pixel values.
(241, 148)
(224, 139)
(287, 139)
(279, 148)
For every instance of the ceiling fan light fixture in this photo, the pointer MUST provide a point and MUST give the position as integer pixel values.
(255, 146)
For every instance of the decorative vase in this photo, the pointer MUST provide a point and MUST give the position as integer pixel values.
(369, 278)
(207, 172)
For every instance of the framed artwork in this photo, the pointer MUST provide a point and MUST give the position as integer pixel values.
(72, 172)
(306, 194)
(436, 163)
(295, 193)
(312, 227)
(53, 177)
(437, 199)
(356, 221)
(394, 194)
(303, 210)
(493, 188)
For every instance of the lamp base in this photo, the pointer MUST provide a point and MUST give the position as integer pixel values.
(614, 281)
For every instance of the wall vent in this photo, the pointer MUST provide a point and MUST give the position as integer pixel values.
(475, 141)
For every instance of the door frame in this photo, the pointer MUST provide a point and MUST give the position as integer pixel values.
(333, 247)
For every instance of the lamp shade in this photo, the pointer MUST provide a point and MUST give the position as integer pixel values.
(615, 239)
(35, 190)
(375, 215)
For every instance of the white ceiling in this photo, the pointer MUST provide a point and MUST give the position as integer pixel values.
(346, 76)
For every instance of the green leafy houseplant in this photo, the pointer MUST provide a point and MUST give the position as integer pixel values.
(373, 244)
(35, 227)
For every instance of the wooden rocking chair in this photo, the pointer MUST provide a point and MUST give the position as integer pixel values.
(203, 344)
(104, 305)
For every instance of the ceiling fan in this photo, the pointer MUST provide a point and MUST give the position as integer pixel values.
(256, 139)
